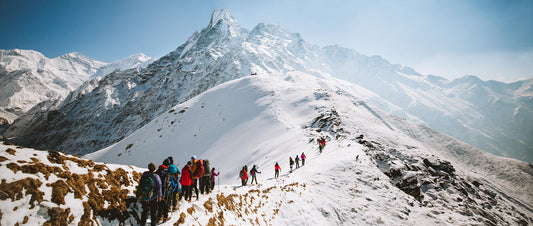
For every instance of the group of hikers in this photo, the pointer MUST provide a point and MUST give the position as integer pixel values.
(244, 175)
(160, 188)
(297, 161)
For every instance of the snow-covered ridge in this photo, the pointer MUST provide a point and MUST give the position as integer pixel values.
(372, 158)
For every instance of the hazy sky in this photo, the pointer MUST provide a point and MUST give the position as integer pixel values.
(449, 38)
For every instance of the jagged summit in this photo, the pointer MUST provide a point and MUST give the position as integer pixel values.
(221, 16)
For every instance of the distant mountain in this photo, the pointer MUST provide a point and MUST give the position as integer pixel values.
(104, 111)
(134, 61)
(28, 77)
(493, 116)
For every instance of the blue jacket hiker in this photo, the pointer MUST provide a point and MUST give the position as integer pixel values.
(253, 172)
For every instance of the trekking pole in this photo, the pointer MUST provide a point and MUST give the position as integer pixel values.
(218, 180)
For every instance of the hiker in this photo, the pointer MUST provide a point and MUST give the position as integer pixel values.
(297, 160)
(276, 170)
(186, 182)
(303, 159)
(246, 170)
(174, 186)
(244, 176)
(321, 144)
(291, 163)
(149, 194)
(164, 204)
(253, 172)
(213, 174)
(206, 178)
(197, 172)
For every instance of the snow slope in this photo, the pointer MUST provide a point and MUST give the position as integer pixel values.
(357, 180)
(405, 173)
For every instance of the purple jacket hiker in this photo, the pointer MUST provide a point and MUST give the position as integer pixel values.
(213, 175)
(156, 187)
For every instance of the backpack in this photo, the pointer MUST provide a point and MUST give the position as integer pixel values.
(242, 174)
(165, 181)
(199, 169)
(144, 190)
(174, 185)
(207, 169)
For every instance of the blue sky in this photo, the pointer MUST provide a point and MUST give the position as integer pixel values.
(449, 38)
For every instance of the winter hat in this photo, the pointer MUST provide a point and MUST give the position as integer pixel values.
(152, 166)
(166, 162)
(172, 169)
(171, 160)
(189, 163)
(193, 157)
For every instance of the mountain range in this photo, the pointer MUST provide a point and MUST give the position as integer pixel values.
(28, 77)
(493, 116)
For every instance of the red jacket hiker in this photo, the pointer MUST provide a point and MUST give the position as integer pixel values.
(244, 175)
(186, 179)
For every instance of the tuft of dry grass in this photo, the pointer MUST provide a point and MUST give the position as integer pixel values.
(57, 216)
(209, 205)
(181, 220)
(59, 191)
(2, 159)
(14, 190)
(11, 151)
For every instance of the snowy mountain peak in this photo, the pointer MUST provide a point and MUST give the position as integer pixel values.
(221, 16)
